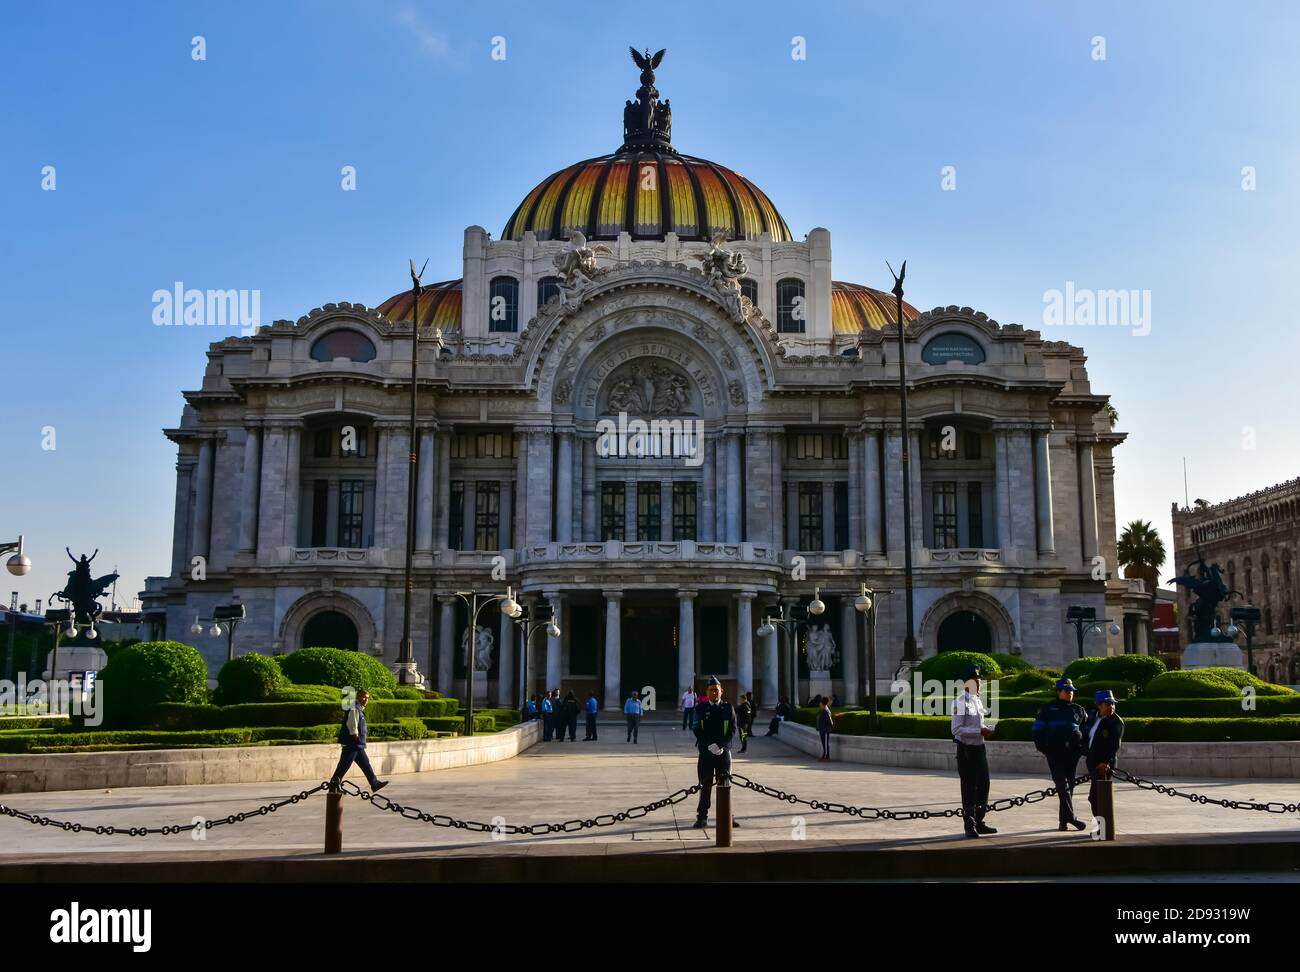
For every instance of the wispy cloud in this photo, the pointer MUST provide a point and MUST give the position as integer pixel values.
(431, 42)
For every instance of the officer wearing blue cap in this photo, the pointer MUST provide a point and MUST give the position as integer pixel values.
(715, 727)
(969, 733)
(1102, 736)
(1058, 735)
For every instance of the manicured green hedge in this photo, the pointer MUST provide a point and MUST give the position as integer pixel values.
(248, 678)
(55, 742)
(1137, 669)
(1089, 687)
(1264, 706)
(333, 666)
(1081, 668)
(1020, 682)
(33, 722)
(949, 666)
(408, 692)
(438, 708)
(1209, 683)
(147, 674)
(180, 717)
(444, 724)
(307, 693)
(400, 729)
(1011, 663)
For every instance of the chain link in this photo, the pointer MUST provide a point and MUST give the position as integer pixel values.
(577, 825)
(106, 830)
(1274, 807)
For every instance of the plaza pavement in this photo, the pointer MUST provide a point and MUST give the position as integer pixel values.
(555, 782)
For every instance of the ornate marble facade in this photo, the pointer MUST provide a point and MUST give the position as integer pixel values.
(660, 567)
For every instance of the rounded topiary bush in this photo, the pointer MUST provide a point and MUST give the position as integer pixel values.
(1138, 669)
(408, 692)
(339, 668)
(1119, 688)
(248, 678)
(1020, 683)
(1209, 683)
(950, 666)
(1011, 663)
(289, 692)
(1081, 668)
(150, 672)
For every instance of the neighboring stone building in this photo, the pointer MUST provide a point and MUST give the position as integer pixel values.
(293, 455)
(1255, 539)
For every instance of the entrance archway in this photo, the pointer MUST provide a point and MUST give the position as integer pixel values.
(965, 631)
(329, 629)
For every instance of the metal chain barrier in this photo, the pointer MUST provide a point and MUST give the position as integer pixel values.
(381, 802)
(167, 830)
(1201, 798)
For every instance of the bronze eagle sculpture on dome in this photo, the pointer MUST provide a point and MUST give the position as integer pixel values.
(647, 61)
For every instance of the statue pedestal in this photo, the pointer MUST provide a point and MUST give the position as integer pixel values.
(1213, 654)
(80, 658)
(480, 690)
(819, 683)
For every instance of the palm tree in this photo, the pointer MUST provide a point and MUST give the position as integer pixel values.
(1141, 553)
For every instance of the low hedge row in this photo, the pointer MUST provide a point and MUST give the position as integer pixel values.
(176, 716)
(1136, 728)
(59, 742)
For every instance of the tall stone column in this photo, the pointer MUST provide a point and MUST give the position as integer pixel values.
(720, 488)
(537, 492)
(708, 518)
(442, 525)
(505, 516)
(685, 638)
(202, 524)
(506, 664)
(779, 528)
(771, 670)
(629, 510)
(745, 641)
(555, 646)
(424, 492)
(792, 516)
(446, 643)
(1003, 490)
(918, 513)
(1043, 494)
(383, 442)
(469, 540)
(849, 649)
(249, 490)
(613, 651)
(590, 528)
(874, 541)
(521, 489)
(856, 504)
(1088, 501)
(564, 487)
(271, 505)
(665, 509)
(292, 484)
(893, 478)
(1024, 529)
(733, 488)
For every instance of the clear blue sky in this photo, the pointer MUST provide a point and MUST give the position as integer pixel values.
(1124, 173)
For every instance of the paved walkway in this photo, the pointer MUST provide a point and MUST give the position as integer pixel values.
(556, 782)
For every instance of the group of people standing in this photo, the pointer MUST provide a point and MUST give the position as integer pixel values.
(1063, 731)
(559, 715)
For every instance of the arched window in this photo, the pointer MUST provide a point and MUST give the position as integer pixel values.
(343, 343)
(749, 288)
(791, 308)
(1250, 586)
(503, 304)
(547, 288)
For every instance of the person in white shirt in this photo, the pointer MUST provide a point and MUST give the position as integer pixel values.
(688, 708)
(969, 733)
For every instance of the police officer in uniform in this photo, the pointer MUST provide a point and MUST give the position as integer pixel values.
(1058, 735)
(969, 733)
(1102, 735)
(715, 727)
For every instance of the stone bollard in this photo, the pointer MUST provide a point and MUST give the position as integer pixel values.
(1105, 790)
(724, 810)
(333, 821)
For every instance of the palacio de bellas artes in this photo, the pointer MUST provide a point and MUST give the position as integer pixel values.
(547, 448)
(649, 289)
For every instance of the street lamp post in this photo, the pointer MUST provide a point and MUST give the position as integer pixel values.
(1245, 617)
(866, 603)
(530, 625)
(476, 602)
(1085, 620)
(909, 639)
(406, 670)
(226, 618)
(19, 564)
(789, 624)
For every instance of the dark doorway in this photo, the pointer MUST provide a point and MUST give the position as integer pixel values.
(649, 639)
(330, 629)
(965, 631)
